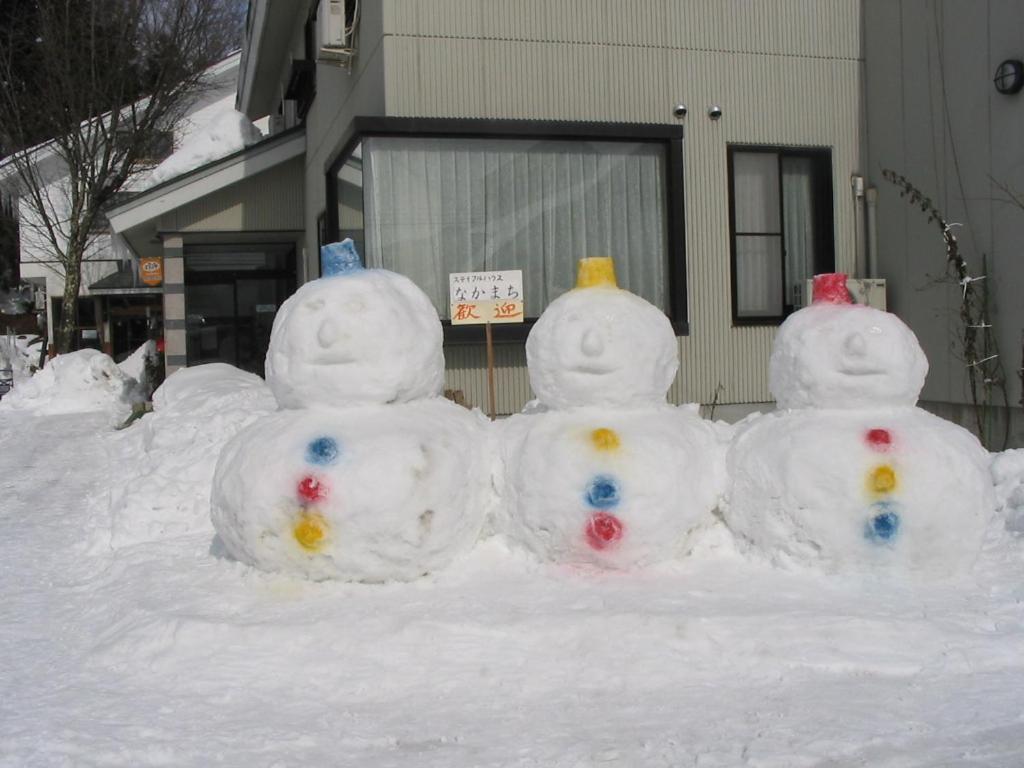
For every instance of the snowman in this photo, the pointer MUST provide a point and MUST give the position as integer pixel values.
(848, 473)
(602, 471)
(364, 473)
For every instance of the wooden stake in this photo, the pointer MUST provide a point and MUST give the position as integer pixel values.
(490, 372)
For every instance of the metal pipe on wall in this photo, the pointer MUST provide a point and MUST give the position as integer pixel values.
(857, 187)
(871, 196)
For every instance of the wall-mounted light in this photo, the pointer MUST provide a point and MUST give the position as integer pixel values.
(1009, 76)
(714, 112)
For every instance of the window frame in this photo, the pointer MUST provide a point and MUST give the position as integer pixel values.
(824, 217)
(471, 128)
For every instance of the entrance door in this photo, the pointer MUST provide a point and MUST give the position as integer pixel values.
(231, 297)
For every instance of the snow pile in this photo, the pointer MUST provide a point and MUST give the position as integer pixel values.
(82, 381)
(603, 471)
(1008, 477)
(135, 364)
(849, 474)
(167, 458)
(223, 135)
(366, 474)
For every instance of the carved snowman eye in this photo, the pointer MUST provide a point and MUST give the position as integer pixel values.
(355, 305)
(313, 305)
(875, 330)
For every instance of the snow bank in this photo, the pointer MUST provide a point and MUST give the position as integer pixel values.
(1008, 477)
(167, 458)
(77, 382)
(224, 134)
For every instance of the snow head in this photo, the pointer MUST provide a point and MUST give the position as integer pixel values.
(355, 337)
(835, 354)
(600, 345)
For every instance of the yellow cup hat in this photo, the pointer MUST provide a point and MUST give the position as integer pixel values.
(596, 272)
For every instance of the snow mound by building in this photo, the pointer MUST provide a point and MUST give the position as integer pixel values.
(168, 456)
(224, 134)
(78, 382)
(1008, 478)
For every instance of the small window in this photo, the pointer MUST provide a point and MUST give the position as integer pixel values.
(429, 205)
(780, 224)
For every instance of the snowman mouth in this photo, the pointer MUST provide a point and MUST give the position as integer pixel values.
(337, 358)
(863, 370)
(593, 369)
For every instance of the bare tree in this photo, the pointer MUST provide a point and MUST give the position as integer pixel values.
(101, 80)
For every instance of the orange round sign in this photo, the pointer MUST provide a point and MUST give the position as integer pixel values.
(151, 270)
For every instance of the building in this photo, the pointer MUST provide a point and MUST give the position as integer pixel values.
(935, 114)
(723, 152)
(118, 311)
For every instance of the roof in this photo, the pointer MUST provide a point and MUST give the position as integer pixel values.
(208, 178)
(124, 281)
(43, 151)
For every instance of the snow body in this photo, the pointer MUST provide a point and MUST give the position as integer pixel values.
(378, 493)
(605, 472)
(366, 473)
(849, 474)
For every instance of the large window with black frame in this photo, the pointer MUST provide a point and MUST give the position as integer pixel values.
(427, 198)
(781, 231)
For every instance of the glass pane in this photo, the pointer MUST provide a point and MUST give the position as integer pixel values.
(258, 300)
(436, 206)
(756, 191)
(758, 276)
(350, 199)
(210, 323)
(798, 224)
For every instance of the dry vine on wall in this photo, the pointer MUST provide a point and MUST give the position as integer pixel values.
(979, 349)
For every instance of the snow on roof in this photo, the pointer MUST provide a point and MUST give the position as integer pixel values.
(227, 132)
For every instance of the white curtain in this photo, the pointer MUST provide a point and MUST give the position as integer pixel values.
(440, 205)
(758, 234)
(798, 222)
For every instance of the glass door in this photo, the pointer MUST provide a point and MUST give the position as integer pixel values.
(232, 294)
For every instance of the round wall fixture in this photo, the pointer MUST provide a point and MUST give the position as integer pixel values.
(1009, 76)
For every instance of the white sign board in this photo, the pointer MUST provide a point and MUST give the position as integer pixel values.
(486, 297)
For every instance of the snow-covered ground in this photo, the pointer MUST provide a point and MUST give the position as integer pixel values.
(142, 644)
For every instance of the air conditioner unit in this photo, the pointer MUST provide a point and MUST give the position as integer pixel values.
(337, 20)
(863, 290)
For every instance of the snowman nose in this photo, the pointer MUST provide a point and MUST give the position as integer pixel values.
(855, 345)
(592, 344)
(327, 333)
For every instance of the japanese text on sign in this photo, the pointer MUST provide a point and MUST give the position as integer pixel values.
(486, 297)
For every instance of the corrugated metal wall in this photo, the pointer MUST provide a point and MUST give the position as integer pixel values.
(271, 200)
(786, 72)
